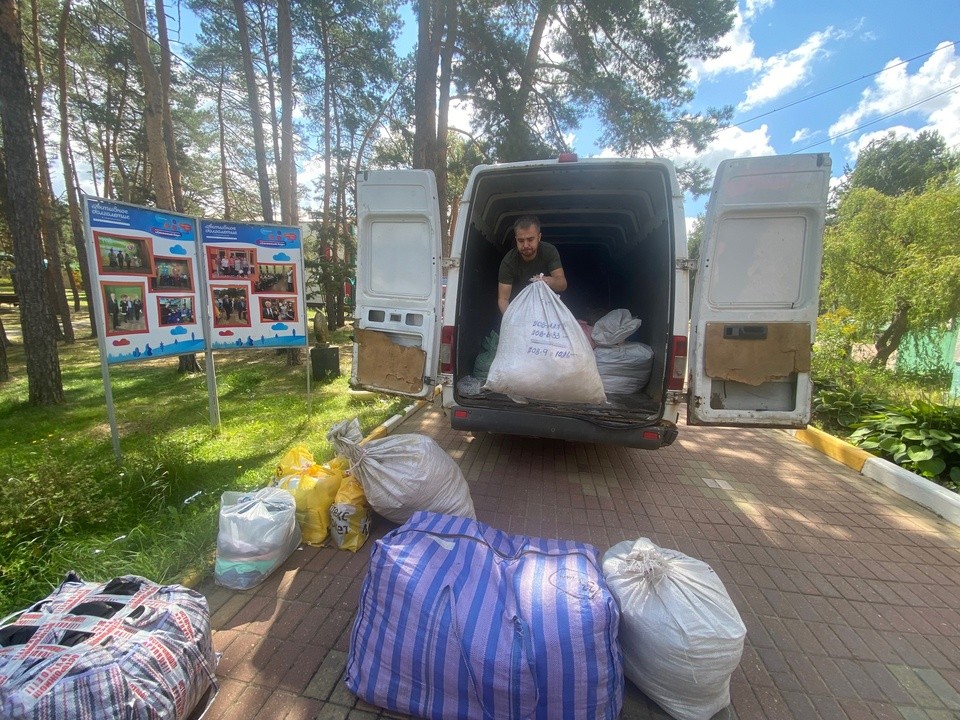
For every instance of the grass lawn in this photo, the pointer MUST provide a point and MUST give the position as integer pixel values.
(67, 504)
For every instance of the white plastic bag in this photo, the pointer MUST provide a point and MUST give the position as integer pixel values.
(680, 633)
(258, 531)
(543, 353)
(615, 327)
(624, 368)
(401, 474)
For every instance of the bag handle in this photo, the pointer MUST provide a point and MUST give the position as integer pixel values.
(522, 665)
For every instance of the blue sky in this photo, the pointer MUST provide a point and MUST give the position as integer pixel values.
(829, 76)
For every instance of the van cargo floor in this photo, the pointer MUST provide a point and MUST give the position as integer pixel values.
(619, 408)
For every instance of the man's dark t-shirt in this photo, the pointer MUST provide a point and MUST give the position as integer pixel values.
(514, 270)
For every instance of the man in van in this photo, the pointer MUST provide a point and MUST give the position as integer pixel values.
(530, 260)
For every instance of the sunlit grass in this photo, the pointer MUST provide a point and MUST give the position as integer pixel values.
(67, 504)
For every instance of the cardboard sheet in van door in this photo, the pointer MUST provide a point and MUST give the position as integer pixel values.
(543, 354)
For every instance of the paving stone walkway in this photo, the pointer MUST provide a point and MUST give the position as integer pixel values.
(850, 593)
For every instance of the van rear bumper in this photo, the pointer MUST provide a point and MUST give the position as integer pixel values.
(560, 427)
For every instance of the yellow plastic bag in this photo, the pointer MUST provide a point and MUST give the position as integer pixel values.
(350, 515)
(314, 488)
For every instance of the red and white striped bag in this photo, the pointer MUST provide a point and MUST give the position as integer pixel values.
(128, 648)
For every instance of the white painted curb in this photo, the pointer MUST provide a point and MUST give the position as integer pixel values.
(927, 493)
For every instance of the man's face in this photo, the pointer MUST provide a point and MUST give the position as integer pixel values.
(528, 240)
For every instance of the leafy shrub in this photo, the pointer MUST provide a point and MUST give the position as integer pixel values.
(922, 437)
(839, 408)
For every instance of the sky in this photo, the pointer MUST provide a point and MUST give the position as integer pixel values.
(827, 76)
(812, 76)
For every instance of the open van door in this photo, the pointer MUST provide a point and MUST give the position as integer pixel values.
(756, 296)
(397, 310)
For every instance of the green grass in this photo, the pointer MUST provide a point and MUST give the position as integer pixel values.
(67, 504)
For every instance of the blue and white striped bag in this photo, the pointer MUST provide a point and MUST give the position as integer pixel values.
(460, 620)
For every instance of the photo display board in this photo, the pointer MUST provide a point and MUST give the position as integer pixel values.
(255, 290)
(146, 281)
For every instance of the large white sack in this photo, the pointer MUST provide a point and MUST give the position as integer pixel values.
(402, 474)
(543, 353)
(615, 327)
(624, 368)
(680, 633)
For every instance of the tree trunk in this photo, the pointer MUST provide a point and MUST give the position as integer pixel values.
(50, 228)
(286, 170)
(515, 143)
(188, 364)
(425, 86)
(222, 129)
(272, 100)
(253, 102)
(153, 107)
(443, 114)
(36, 319)
(169, 137)
(890, 339)
(4, 367)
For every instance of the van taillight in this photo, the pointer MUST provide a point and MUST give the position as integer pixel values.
(677, 362)
(446, 349)
(567, 157)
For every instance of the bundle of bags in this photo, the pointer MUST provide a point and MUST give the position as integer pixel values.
(542, 352)
(395, 476)
(127, 649)
(458, 619)
(624, 367)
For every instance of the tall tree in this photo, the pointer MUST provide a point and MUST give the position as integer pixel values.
(256, 116)
(45, 384)
(895, 165)
(533, 72)
(50, 227)
(153, 99)
(894, 262)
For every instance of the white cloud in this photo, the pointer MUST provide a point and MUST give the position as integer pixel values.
(785, 71)
(801, 135)
(931, 93)
(730, 142)
(755, 7)
(738, 57)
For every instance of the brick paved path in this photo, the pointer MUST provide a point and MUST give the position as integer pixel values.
(850, 594)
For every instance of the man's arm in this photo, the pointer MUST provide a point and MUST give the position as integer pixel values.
(556, 281)
(503, 296)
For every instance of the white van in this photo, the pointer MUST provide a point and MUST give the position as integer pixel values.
(619, 227)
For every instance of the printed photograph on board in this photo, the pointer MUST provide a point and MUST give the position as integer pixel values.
(123, 308)
(175, 310)
(173, 274)
(279, 309)
(275, 278)
(231, 306)
(121, 255)
(223, 263)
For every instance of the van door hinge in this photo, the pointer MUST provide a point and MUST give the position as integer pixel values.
(450, 262)
(678, 397)
(687, 264)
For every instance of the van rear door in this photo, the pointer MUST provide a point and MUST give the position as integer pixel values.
(397, 311)
(756, 295)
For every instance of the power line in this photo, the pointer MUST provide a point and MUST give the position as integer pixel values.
(879, 119)
(843, 85)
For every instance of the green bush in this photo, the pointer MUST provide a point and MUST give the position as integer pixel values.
(922, 437)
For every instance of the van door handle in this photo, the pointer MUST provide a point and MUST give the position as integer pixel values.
(745, 332)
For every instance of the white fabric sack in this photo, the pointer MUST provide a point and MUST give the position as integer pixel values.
(680, 633)
(624, 368)
(402, 474)
(543, 353)
(615, 327)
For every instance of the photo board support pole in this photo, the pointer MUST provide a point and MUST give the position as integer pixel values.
(213, 400)
(100, 322)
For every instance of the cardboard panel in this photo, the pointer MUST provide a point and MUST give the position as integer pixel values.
(384, 364)
(784, 351)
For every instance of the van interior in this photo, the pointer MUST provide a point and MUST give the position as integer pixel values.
(612, 224)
